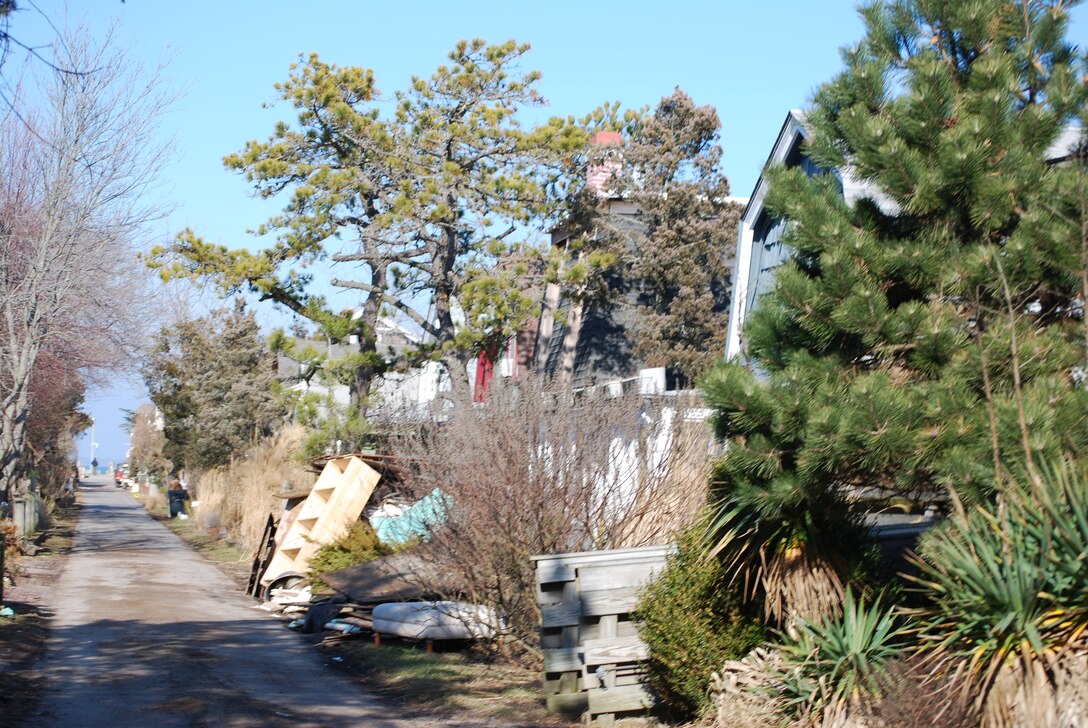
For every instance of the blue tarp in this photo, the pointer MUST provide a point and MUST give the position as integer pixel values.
(415, 522)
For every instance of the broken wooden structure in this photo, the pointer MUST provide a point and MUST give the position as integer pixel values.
(412, 575)
(335, 502)
(593, 656)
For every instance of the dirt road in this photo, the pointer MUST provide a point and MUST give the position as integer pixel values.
(148, 633)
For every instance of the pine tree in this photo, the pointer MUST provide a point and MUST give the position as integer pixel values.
(683, 255)
(213, 381)
(935, 338)
(235, 394)
(410, 202)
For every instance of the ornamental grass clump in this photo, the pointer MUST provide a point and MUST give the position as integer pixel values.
(1007, 609)
(840, 665)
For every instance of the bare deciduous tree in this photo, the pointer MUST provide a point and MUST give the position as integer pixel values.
(538, 471)
(74, 180)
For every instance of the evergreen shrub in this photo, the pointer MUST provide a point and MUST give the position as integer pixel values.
(692, 620)
(359, 545)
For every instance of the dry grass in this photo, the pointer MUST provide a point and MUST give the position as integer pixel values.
(745, 694)
(154, 500)
(1027, 693)
(239, 497)
(742, 693)
(416, 683)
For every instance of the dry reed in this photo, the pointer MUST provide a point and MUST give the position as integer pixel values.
(239, 497)
(155, 500)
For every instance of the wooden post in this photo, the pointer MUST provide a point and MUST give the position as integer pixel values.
(430, 647)
(568, 682)
(377, 639)
(608, 625)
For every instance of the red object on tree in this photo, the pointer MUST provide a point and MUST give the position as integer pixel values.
(485, 372)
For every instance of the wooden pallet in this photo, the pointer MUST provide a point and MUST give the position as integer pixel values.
(593, 657)
(262, 557)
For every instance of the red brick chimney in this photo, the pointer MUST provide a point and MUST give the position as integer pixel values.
(604, 162)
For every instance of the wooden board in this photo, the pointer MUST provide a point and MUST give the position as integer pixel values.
(560, 615)
(263, 557)
(563, 659)
(559, 682)
(561, 567)
(612, 650)
(572, 704)
(335, 502)
(616, 576)
(397, 577)
(609, 601)
(619, 699)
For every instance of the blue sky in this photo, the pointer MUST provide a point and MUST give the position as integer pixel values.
(751, 60)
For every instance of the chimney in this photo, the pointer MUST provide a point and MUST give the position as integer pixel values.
(604, 161)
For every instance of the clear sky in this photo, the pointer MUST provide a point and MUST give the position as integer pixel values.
(753, 61)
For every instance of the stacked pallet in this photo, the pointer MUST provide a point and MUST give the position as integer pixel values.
(592, 652)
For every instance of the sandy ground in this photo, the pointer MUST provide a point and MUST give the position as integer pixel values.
(145, 632)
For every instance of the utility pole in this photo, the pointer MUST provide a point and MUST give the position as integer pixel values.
(93, 446)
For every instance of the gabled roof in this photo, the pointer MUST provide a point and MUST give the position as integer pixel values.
(787, 149)
(792, 132)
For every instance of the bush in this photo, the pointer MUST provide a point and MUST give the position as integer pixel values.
(542, 472)
(1007, 589)
(692, 621)
(359, 545)
(841, 662)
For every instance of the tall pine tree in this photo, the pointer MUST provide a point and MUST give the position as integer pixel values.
(687, 239)
(214, 382)
(934, 340)
(409, 198)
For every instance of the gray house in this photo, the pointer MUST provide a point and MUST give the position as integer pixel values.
(759, 236)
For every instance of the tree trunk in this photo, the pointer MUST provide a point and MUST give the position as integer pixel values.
(547, 326)
(456, 366)
(570, 344)
(368, 344)
(21, 355)
(12, 439)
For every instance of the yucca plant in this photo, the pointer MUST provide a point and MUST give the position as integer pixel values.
(840, 664)
(1007, 588)
(793, 545)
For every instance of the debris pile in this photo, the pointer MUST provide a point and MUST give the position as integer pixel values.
(306, 612)
(302, 610)
(397, 595)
